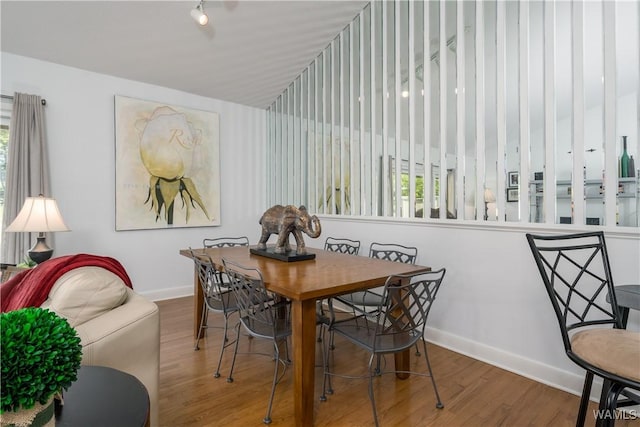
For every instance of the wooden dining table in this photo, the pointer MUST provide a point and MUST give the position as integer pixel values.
(305, 282)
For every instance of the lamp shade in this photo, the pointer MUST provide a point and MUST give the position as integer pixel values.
(38, 214)
(489, 197)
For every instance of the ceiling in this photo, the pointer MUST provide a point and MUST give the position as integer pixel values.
(248, 53)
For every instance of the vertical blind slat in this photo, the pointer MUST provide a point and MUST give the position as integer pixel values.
(549, 114)
(352, 142)
(480, 114)
(523, 183)
(372, 111)
(443, 110)
(363, 199)
(610, 158)
(577, 186)
(398, 110)
(341, 143)
(413, 94)
(460, 111)
(501, 122)
(385, 113)
(426, 105)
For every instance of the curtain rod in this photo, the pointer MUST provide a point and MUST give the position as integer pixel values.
(43, 101)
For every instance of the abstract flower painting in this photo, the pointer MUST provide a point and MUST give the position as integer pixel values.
(167, 166)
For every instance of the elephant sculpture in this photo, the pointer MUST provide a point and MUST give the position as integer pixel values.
(285, 220)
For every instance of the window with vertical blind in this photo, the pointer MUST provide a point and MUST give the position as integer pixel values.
(459, 110)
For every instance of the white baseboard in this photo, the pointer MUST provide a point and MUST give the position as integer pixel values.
(163, 294)
(529, 368)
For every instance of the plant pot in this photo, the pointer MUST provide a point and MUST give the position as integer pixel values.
(38, 416)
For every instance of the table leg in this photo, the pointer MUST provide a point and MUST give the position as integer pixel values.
(403, 363)
(304, 342)
(403, 359)
(198, 300)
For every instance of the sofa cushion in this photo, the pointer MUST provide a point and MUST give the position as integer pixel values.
(84, 293)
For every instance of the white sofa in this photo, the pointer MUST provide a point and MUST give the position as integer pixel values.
(117, 327)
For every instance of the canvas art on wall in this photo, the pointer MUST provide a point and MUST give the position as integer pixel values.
(167, 166)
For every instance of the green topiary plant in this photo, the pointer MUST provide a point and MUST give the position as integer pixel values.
(40, 356)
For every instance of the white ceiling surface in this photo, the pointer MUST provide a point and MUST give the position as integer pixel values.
(248, 53)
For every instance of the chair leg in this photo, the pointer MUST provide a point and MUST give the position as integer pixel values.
(286, 349)
(378, 369)
(584, 400)
(439, 404)
(601, 417)
(331, 334)
(320, 310)
(267, 418)
(608, 404)
(371, 396)
(222, 347)
(326, 378)
(203, 320)
(235, 353)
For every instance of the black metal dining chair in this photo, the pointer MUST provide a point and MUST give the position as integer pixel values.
(225, 242)
(365, 302)
(360, 301)
(263, 315)
(218, 242)
(576, 273)
(398, 325)
(217, 298)
(343, 246)
(219, 287)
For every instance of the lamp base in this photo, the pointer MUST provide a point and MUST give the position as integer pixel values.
(40, 252)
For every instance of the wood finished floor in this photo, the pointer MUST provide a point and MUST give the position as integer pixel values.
(474, 393)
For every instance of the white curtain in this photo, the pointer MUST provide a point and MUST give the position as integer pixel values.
(27, 170)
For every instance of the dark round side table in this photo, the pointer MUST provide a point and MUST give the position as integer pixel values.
(104, 397)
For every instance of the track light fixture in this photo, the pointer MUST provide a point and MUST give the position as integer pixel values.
(199, 14)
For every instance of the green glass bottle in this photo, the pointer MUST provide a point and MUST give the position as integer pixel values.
(624, 159)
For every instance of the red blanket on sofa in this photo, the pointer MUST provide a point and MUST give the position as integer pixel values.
(30, 288)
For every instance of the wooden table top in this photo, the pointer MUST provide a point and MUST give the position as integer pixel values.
(329, 274)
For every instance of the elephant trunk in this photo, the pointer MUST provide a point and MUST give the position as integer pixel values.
(314, 229)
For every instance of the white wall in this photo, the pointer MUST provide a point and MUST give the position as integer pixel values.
(492, 304)
(80, 128)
